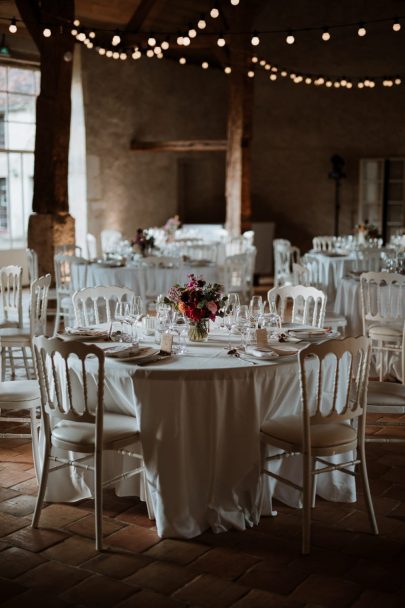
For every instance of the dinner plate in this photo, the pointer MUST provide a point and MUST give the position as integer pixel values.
(313, 334)
(83, 333)
(264, 353)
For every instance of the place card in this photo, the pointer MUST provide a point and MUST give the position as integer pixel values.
(166, 343)
(261, 337)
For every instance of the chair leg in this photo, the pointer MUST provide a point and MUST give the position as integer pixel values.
(307, 504)
(35, 441)
(57, 318)
(366, 489)
(3, 364)
(26, 365)
(98, 500)
(42, 485)
(12, 366)
(314, 478)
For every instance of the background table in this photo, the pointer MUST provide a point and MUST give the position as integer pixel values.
(199, 417)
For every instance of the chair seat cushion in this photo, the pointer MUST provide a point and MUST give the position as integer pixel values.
(386, 393)
(289, 430)
(378, 331)
(116, 428)
(14, 392)
(10, 335)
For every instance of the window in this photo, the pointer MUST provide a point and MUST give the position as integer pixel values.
(19, 87)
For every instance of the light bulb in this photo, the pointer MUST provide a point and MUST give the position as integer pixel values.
(186, 41)
(360, 85)
(343, 82)
(182, 60)
(336, 84)
(228, 69)
(46, 32)
(116, 39)
(81, 36)
(109, 53)
(123, 56)
(202, 24)
(221, 41)
(284, 73)
(157, 50)
(396, 26)
(255, 40)
(328, 83)
(12, 28)
(205, 65)
(179, 40)
(76, 22)
(150, 53)
(192, 33)
(160, 56)
(73, 32)
(361, 31)
(255, 59)
(349, 85)
(234, 2)
(397, 81)
(116, 55)
(151, 41)
(101, 51)
(308, 80)
(267, 67)
(136, 54)
(290, 38)
(92, 35)
(251, 74)
(273, 76)
(325, 35)
(214, 12)
(165, 45)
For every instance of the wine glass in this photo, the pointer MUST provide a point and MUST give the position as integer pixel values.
(229, 322)
(243, 321)
(120, 314)
(136, 310)
(232, 301)
(256, 308)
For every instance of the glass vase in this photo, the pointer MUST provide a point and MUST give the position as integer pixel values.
(198, 330)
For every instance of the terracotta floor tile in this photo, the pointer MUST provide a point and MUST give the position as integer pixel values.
(34, 597)
(10, 589)
(116, 565)
(74, 550)
(6, 493)
(137, 515)
(150, 599)
(11, 476)
(85, 526)
(19, 505)
(27, 487)
(161, 577)
(257, 598)
(375, 599)
(99, 592)
(210, 592)
(59, 515)
(133, 538)
(331, 592)
(9, 523)
(374, 575)
(52, 577)
(15, 561)
(179, 551)
(382, 549)
(281, 581)
(223, 562)
(35, 540)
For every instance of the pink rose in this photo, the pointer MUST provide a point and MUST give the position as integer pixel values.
(212, 307)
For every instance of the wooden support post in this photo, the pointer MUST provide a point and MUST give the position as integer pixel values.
(51, 223)
(238, 157)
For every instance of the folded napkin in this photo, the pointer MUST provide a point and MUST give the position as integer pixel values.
(261, 352)
(121, 350)
(85, 331)
(308, 333)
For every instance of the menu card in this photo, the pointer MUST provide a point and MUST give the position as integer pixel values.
(166, 343)
(261, 337)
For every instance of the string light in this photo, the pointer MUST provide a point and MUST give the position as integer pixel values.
(101, 51)
(76, 22)
(362, 30)
(186, 41)
(136, 54)
(151, 41)
(251, 74)
(157, 50)
(290, 38)
(92, 34)
(165, 45)
(234, 2)
(227, 69)
(192, 33)
(116, 39)
(12, 28)
(205, 65)
(325, 35)
(255, 40)
(150, 53)
(182, 60)
(396, 26)
(221, 41)
(179, 40)
(46, 32)
(214, 12)
(202, 24)
(109, 53)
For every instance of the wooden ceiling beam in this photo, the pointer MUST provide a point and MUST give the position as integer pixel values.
(140, 15)
(205, 145)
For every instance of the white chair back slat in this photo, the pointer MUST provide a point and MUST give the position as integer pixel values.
(93, 305)
(32, 264)
(324, 243)
(39, 291)
(11, 296)
(308, 303)
(382, 298)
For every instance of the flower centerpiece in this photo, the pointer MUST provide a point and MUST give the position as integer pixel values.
(143, 241)
(366, 232)
(199, 302)
(172, 224)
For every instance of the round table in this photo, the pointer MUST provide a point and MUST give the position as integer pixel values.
(199, 419)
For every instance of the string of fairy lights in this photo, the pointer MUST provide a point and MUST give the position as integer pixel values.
(154, 45)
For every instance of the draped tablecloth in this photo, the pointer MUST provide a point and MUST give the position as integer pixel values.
(199, 418)
(144, 280)
(331, 268)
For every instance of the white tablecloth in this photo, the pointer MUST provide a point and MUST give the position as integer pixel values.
(144, 280)
(199, 417)
(332, 268)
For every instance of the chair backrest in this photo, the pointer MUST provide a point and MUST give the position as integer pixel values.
(201, 252)
(235, 245)
(236, 273)
(11, 295)
(93, 305)
(281, 248)
(109, 240)
(91, 243)
(32, 263)
(62, 397)
(66, 275)
(68, 249)
(333, 383)
(367, 260)
(382, 298)
(301, 275)
(39, 305)
(249, 236)
(308, 304)
(323, 243)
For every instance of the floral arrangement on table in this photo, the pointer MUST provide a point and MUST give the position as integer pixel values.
(366, 232)
(199, 302)
(172, 224)
(143, 241)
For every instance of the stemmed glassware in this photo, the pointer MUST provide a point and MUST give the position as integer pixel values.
(135, 312)
(256, 309)
(243, 321)
(120, 315)
(229, 317)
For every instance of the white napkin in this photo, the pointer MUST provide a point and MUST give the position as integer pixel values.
(261, 352)
(121, 350)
